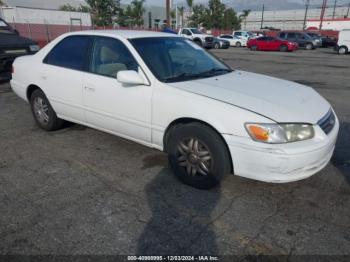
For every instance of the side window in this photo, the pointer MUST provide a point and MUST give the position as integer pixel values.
(109, 56)
(186, 32)
(282, 35)
(291, 35)
(238, 33)
(71, 52)
(262, 39)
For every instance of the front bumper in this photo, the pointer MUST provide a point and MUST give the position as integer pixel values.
(284, 162)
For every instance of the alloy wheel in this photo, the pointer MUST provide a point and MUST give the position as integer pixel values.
(41, 110)
(194, 157)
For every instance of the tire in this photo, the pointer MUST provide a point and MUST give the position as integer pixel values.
(198, 42)
(284, 48)
(205, 162)
(254, 48)
(217, 46)
(309, 46)
(342, 50)
(238, 44)
(43, 113)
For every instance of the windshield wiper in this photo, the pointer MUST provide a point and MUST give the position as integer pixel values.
(187, 76)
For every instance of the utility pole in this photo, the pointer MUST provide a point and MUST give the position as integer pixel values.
(168, 13)
(262, 16)
(347, 14)
(334, 8)
(307, 4)
(323, 10)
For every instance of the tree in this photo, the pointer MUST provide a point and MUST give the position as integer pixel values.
(244, 15)
(231, 21)
(137, 11)
(132, 15)
(190, 4)
(1, 3)
(216, 15)
(199, 16)
(103, 11)
(67, 7)
(181, 10)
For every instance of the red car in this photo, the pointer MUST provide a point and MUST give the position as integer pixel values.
(267, 43)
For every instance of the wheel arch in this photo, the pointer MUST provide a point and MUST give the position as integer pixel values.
(30, 89)
(186, 120)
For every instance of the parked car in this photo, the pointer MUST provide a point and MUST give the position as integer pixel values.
(163, 91)
(343, 46)
(303, 40)
(234, 40)
(316, 37)
(198, 37)
(328, 41)
(243, 34)
(221, 43)
(12, 45)
(268, 43)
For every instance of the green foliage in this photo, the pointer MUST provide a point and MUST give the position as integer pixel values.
(103, 11)
(216, 15)
(132, 15)
(190, 3)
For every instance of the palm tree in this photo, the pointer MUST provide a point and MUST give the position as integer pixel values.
(244, 15)
(138, 11)
(181, 10)
(190, 4)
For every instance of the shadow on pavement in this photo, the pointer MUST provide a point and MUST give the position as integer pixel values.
(180, 220)
(341, 156)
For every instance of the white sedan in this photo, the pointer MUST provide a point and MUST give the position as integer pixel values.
(165, 92)
(234, 40)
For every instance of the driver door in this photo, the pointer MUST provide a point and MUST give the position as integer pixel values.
(110, 105)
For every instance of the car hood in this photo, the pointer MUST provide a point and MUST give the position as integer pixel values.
(14, 40)
(279, 100)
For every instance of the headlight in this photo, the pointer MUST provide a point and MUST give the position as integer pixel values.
(34, 48)
(279, 133)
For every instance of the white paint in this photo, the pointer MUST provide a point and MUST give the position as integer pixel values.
(142, 113)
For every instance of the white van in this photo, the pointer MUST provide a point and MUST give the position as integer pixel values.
(343, 46)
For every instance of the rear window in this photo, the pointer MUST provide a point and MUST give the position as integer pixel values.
(70, 53)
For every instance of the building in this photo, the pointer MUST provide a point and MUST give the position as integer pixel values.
(294, 19)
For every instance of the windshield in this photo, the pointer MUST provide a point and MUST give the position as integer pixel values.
(196, 31)
(175, 59)
(5, 28)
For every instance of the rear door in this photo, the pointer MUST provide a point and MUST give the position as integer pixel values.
(61, 76)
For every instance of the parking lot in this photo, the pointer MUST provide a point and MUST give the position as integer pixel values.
(82, 191)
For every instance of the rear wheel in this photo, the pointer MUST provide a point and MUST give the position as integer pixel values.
(43, 113)
(217, 46)
(198, 156)
(254, 48)
(284, 48)
(342, 50)
(238, 44)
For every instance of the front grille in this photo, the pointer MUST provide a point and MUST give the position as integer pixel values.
(327, 122)
(209, 39)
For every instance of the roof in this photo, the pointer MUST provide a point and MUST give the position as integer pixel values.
(128, 34)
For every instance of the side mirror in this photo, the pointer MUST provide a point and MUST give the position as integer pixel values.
(130, 77)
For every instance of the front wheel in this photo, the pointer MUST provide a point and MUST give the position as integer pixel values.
(309, 46)
(198, 156)
(43, 112)
(217, 46)
(284, 48)
(342, 50)
(238, 44)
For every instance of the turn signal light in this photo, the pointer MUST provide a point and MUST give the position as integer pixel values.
(259, 133)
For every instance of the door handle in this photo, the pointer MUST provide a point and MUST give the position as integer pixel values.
(89, 89)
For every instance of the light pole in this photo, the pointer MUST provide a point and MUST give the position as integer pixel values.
(335, 6)
(167, 6)
(262, 16)
(307, 4)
